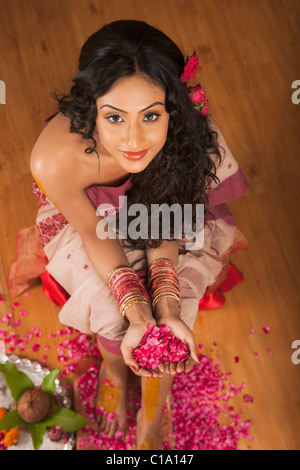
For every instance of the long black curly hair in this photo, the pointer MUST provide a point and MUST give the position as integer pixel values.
(181, 171)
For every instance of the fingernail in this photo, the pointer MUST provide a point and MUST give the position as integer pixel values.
(134, 368)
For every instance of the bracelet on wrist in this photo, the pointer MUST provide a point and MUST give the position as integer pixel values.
(163, 281)
(127, 288)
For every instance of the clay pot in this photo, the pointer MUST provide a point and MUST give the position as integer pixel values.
(33, 405)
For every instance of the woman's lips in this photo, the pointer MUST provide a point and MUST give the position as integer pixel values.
(134, 155)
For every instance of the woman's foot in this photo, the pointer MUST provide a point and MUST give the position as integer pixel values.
(111, 403)
(148, 433)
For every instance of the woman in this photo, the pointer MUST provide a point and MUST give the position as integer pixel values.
(129, 128)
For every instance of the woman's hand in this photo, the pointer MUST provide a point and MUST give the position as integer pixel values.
(168, 314)
(182, 332)
(139, 317)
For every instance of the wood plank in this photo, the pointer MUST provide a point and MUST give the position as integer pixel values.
(249, 54)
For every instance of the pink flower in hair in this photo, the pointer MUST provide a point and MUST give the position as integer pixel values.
(190, 68)
(197, 95)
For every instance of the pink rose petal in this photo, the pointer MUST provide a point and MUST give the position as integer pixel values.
(248, 399)
(159, 345)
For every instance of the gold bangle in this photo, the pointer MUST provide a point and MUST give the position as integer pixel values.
(165, 289)
(131, 297)
(111, 273)
(125, 308)
(166, 260)
(166, 294)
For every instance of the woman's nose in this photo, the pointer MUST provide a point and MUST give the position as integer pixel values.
(133, 137)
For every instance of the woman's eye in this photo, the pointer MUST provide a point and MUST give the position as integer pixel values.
(115, 118)
(152, 117)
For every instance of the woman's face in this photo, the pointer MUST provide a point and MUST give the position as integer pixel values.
(132, 122)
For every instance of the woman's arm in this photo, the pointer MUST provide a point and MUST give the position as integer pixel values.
(168, 249)
(167, 310)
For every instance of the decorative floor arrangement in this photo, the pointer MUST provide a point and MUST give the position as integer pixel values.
(199, 414)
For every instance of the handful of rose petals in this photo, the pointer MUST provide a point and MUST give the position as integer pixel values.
(159, 345)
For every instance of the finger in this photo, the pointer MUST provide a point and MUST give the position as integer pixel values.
(167, 366)
(189, 364)
(161, 367)
(173, 368)
(180, 367)
(144, 373)
(134, 367)
(156, 374)
(190, 340)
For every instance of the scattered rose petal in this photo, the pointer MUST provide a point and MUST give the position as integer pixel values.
(252, 331)
(266, 329)
(197, 402)
(248, 399)
(270, 351)
(7, 318)
(2, 333)
(255, 354)
(236, 359)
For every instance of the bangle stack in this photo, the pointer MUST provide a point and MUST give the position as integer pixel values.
(163, 281)
(126, 287)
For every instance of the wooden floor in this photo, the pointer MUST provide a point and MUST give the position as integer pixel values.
(249, 54)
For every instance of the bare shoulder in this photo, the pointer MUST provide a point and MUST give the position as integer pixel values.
(56, 152)
(56, 165)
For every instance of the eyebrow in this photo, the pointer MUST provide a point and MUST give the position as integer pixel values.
(142, 110)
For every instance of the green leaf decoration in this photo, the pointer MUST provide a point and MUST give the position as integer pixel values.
(67, 419)
(48, 384)
(37, 431)
(17, 381)
(11, 420)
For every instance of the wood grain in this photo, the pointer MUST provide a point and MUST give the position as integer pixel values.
(249, 57)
